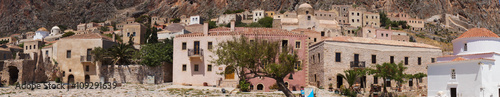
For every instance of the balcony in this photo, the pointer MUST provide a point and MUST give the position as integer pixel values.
(357, 64)
(195, 53)
(86, 59)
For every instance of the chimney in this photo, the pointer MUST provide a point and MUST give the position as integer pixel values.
(205, 28)
(232, 25)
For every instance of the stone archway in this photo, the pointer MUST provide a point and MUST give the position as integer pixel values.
(13, 74)
(71, 79)
(87, 78)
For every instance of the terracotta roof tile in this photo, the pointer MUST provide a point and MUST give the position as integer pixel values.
(478, 32)
(89, 36)
(459, 59)
(379, 41)
(244, 31)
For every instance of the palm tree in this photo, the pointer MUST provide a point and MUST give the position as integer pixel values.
(121, 52)
(418, 77)
(352, 76)
(389, 71)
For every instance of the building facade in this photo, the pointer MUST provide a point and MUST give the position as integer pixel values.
(334, 55)
(192, 53)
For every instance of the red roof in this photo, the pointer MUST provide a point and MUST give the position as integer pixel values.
(459, 59)
(478, 32)
(89, 36)
(244, 31)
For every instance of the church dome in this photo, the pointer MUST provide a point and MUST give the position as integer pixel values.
(478, 32)
(56, 27)
(305, 5)
(42, 29)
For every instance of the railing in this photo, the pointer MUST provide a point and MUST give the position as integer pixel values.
(86, 59)
(357, 64)
(195, 52)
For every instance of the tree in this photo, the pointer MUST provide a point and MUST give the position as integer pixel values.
(156, 53)
(384, 20)
(419, 76)
(352, 76)
(257, 59)
(390, 71)
(121, 53)
(68, 34)
(104, 29)
(212, 24)
(266, 22)
(175, 20)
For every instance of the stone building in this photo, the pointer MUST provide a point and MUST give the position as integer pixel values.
(313, 36)
(356, 18)
(136, 31)
(416, 24)
(171, 31)
(74, 56)
(371, 19)
(192, 56)
(334, 55)
(306, 18)
(158, 20)
(9, 39)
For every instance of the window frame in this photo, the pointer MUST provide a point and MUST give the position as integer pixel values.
(338, 56)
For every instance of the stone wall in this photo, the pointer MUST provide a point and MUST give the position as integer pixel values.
(136, 73)
(25, 70)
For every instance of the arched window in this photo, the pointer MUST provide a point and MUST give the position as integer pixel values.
(260, 87)
(307, 12)
(308, 17)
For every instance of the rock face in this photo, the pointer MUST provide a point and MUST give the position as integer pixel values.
(17, 16)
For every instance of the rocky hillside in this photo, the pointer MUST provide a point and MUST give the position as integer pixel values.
(17, 16)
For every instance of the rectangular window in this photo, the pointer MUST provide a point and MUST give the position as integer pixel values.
(406, 60)
(184, 66)
(297, 65)
(465, 47)
(388, 82)
(89, 56)
(196, 67)
(284, 43)
(209, 45)
(209, 67)
(184, 45)
(337, 57)
(374, 59)
(297, 44)
(433, 60)
(322, 33)
(392, 59)
(68, 54)
(87, 68)
(419, 61)
(375, 80)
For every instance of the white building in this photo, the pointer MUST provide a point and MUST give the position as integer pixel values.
(195, 20)
(55, 31)
(41, 33)
(471, 71)
(258, 14)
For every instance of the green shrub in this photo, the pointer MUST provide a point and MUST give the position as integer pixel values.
(58, 80)
(244, 86)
